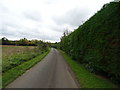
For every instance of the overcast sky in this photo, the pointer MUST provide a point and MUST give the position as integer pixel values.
(44, 19)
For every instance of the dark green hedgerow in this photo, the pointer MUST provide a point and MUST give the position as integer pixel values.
(96, 43)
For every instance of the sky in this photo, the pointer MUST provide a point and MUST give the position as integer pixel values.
(44, 19)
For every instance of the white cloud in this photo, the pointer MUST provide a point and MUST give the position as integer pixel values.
(44, 19)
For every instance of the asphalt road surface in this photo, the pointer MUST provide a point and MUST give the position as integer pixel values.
(51, 72)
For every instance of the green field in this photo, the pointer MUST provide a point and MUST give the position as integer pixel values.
(13, 56)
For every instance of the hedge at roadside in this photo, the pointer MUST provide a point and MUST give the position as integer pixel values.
(96, 43)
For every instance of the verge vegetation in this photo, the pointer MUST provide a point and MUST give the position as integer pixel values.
(13, 56)
(13, 73)
(84, 77)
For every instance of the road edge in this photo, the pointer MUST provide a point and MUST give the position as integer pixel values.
(71, 71)
(8, 77)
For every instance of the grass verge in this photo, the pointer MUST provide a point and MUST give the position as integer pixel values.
(84, 77)
(13, 56)
(13, 73)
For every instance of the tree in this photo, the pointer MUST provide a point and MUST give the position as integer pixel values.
(5, 41)
(24, 42)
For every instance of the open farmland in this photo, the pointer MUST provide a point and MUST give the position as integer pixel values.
(13, 56)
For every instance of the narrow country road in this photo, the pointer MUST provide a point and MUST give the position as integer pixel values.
(51, 72)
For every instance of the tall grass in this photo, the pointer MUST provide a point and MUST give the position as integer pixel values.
(16, 55)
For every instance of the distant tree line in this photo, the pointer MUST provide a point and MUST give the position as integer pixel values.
(22, 42)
